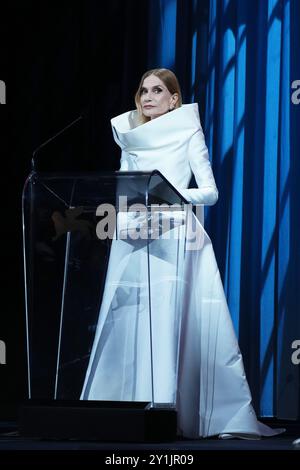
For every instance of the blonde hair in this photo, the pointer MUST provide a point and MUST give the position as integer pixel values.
(168, 78)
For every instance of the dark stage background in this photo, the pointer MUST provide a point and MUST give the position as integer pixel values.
(59, 60)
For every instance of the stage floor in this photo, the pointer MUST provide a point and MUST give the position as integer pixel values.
(17, 449)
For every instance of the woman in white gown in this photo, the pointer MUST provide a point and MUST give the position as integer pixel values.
(206, 379)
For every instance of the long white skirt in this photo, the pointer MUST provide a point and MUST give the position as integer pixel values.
(181, 349)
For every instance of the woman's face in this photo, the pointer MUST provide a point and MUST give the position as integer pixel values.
(156, 99)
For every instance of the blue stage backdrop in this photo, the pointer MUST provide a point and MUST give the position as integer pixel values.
(239, 60)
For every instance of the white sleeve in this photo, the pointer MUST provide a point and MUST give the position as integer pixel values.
(207, 192)
(124, 161)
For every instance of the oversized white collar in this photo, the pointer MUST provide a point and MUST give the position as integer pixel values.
(179, 124)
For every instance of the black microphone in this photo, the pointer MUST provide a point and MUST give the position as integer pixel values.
(52, 138)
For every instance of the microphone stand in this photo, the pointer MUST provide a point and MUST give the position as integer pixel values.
(52, 138)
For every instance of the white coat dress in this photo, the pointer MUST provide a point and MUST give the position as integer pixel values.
(197, 361)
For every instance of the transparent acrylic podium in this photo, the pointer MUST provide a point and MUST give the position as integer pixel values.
(103, 263)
